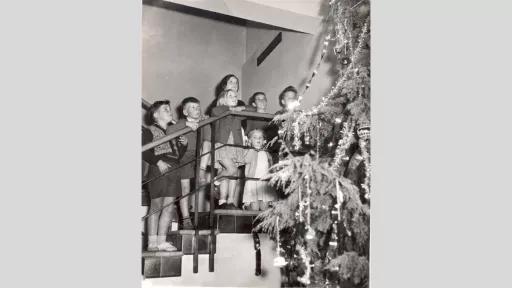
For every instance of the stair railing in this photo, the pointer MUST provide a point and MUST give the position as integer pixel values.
(210, 121)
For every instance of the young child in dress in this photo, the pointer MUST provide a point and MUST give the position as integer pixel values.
(162, 190)
(192, 111)
(257, 194)
(228, 131)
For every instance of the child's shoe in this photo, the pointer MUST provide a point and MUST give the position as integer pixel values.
(187, 224)
(166, 246)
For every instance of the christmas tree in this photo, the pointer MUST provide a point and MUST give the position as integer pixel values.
(321, 226)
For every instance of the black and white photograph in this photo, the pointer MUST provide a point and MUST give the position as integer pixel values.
(256, 166)
(245, 143)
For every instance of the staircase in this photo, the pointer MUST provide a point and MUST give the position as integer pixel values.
(168, 264)
(233, 225)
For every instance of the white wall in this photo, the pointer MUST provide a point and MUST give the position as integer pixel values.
(291, 63)
(187, 55)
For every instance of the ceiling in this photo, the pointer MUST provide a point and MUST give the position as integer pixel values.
(298, 15)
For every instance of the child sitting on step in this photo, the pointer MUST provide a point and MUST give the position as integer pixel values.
(228, 130)
(257, 193)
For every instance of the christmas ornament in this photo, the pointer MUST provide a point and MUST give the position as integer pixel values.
(310, 234)
(345, 61)
(279, 261)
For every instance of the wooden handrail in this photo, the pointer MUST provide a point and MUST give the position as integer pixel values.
(206, 122)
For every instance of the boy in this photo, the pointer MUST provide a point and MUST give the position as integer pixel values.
(288, 100)
(258, 100)
(192, 112)
(164, 189)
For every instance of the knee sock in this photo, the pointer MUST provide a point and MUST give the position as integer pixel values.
(222, 202)
(152, 241)
(161, 239)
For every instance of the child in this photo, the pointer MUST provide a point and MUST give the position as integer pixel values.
(162, 190)
(228, 130)
(257, 194)
(259, 101)
(192, 111)
(288, 100)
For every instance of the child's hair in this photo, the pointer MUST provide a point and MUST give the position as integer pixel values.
(253, 131)
(221, 100)
(224, 82)
(287, 89)
(189, 100)
(253, 97)
(150, 118)
(183, 105)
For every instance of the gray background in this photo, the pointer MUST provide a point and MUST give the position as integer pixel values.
(71, 87)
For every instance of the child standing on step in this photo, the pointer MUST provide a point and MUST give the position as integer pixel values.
(163, 189)
(228, 130)
(259, 101)
(257, 194)
(191, 109)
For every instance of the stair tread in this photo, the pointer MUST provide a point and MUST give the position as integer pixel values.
(162, 253)
(236, 212)
(192, 232)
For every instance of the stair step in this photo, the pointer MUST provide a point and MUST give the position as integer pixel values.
(161, 264)
(236, 212)
(193, 232)
(162, 253)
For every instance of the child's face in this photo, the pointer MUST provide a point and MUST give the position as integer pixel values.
(163, 114)
(232, 84)
(231, 99)
(260, 101)
(257, 139)
(289, 100)
(192, 110)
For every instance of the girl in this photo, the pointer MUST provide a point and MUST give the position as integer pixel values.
(228, 130)
(257, 194)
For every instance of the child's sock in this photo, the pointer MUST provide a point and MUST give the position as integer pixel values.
(161, 239)
(152, 241)
(222, 202)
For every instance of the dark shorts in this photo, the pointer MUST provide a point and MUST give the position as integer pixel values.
(188, 171)
(168, 185)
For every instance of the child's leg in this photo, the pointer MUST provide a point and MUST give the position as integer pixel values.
(231, 192)
(153, 222)
(184, 203)
(224, 188)
(238, 188)
(163, 225)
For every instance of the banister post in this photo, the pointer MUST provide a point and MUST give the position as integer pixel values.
(213, 241)
(196, 201)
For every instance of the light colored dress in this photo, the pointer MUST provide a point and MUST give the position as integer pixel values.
(257, 165)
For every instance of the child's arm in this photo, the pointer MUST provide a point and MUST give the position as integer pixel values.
(250, 108)
(149, 156)
(218, 110)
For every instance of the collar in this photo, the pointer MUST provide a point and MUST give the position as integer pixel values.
(193, 120)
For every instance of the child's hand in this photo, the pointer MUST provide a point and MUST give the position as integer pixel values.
(238, 108)
(192, 125)
(204, 117)
(162, 166)
(182, 140)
